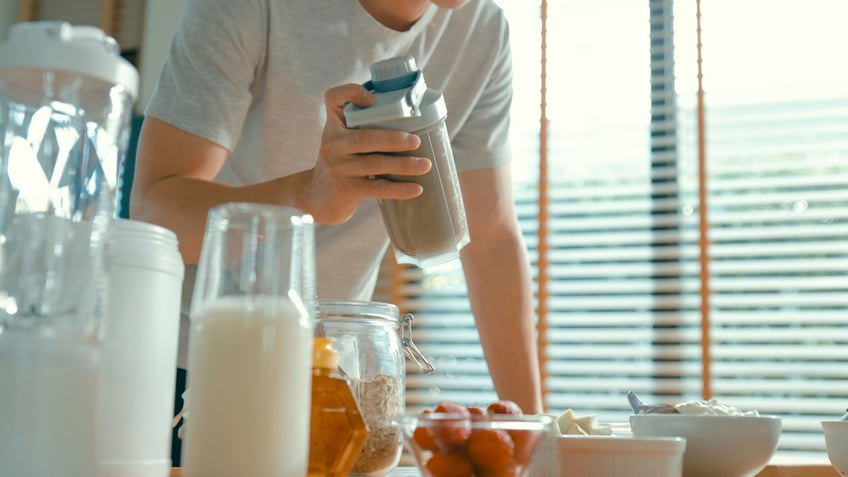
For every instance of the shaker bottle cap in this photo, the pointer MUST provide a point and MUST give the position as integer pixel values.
(393, 68)
(403, 101)
(60, 46)
(394, 73)
(323, 354)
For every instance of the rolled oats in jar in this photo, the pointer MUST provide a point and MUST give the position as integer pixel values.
(372, 340)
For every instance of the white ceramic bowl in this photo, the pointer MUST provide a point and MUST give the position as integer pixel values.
(614, 456)
(726, 446)
(836, 440)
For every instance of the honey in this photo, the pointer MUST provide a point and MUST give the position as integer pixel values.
(337, 430)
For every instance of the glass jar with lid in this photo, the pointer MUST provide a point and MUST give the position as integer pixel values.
(372, 340)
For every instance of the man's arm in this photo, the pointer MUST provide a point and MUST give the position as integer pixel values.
(497, 271)
(175, 171)
(173, 182)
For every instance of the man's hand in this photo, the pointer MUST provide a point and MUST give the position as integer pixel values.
(351, 161)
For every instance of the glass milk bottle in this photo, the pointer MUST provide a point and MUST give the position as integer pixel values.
(250, 345)
(66, 98)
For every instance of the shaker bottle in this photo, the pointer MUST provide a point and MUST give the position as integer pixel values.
(139, 354)
(250, 345)
(428, 230)
(65, 104)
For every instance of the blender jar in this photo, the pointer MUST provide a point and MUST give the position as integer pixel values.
(66, 97)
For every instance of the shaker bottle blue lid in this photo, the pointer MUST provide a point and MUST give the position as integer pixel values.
(60, 46)
(394, 74)
(403, 100)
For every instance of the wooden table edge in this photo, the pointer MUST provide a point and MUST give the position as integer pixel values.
(797, 470)
(776, 470)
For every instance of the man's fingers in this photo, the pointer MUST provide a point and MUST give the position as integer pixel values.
(363, 141)
(379, 164)
(335, 98)
(385, 189)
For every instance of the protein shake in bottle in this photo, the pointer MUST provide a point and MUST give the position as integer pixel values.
(430, 229)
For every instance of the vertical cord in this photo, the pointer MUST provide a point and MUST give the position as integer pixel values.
(542, 262)
(703, 239)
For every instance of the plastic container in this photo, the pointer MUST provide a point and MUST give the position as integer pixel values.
(428, 230)
(372, 341)
(139, 352)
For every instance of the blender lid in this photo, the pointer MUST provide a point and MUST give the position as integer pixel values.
(60, 46)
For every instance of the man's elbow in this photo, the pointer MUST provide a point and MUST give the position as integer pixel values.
(139, 202)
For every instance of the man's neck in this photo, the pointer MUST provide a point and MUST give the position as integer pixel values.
(398, 15)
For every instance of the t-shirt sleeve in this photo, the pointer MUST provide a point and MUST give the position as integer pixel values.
(205, 84)
(483, 139)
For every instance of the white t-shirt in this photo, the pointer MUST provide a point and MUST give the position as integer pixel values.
(250, 75)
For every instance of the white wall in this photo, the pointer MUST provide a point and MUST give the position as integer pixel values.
(8, 15)
(161, 20)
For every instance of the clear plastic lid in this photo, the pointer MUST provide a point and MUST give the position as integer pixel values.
(60, 46)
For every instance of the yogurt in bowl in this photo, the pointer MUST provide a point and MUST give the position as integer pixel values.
(712, 407)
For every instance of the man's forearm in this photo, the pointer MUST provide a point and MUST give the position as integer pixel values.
(182, 204)
(174, 184)
(499, 287)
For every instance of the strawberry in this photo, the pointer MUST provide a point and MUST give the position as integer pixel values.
(477, 413)
(525, 442)
(423, 437)
(449, 465)
(490, 448)
(451, 433)
(504, 407)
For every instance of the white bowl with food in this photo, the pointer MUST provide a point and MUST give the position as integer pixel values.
(581, 446)
(614, 456)
(716, 445)
(836, 441)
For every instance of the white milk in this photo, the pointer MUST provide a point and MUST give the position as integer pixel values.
(249, 378)
(48, 390)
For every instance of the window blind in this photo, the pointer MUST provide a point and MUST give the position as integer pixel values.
(623, 279)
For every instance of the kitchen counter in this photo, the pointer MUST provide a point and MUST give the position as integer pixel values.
(776, 470)
(400, 472)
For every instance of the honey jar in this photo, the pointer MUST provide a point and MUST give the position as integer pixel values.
(372, 341)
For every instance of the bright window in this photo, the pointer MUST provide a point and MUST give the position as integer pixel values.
(626, 289)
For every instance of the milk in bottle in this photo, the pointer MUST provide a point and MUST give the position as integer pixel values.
(250, 345)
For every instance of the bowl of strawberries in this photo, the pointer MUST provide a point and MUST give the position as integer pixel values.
(453, 440)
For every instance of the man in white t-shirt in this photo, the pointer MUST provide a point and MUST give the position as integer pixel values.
(248, 108)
